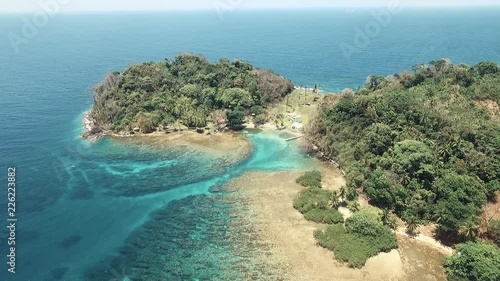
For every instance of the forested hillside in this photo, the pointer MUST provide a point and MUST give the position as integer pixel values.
(188, 90)
(424, 144)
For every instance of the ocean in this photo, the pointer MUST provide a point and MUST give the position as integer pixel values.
(84, 210)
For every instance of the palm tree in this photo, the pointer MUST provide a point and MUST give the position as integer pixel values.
(351, 193)
(334, 200)
(353, 206)
(343, 193)
(469, 230)
(411, 225)
(384, 216)
(280, 118)
(389, 219)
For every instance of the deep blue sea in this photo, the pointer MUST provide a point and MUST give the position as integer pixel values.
(81, 207)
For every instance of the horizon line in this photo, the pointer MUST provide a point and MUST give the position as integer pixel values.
(201, 9)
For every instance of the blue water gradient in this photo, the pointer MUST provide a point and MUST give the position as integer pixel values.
(84, 205)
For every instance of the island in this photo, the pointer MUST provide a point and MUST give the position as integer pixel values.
(186, 93)
(414, 155)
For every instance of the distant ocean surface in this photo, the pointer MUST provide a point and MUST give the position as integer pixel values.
(72, 222)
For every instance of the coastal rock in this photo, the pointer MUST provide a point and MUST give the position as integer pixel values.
(95, 130)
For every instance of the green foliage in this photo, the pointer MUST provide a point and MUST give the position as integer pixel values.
(459, 200)
(417, 143)
(494, 231)
(410, 158)
(315, 204)
(310, 179)
(389, 219)
(486, 67)
(329, 216)
(236, 97)
(363, 237)
(474, 261)
(256, 109)
(382, 189)
(188, 89)
(235, 117)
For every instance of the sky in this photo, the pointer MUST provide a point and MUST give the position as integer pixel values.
(144, 5)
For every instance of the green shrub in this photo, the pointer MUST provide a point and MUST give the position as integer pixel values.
(474, 261)
(345, 246)
(329, 216)
(363, 237)
(310, 179)
(315, 204)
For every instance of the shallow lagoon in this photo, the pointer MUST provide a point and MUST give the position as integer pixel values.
(101, 225)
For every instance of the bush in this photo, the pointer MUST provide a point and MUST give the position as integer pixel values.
(363, 237)
(310, 179)
(314, 203)
(346, 247)
(330, 216)
(494, 231)
(474, 261)
(372, 229)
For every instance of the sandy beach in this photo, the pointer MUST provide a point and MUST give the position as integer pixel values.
(293, 253)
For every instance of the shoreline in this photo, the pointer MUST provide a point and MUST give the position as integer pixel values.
(293, 250)
(228, 146)
(424, 239)
(274, 221)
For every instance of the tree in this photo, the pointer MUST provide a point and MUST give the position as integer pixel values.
(380, 138)
(353, 206)
(375, 82)
(459, 199)
(412, 224)
(334, 200)
(381, 189)
(343, 193)
(146, 122)
(389, 219)
(486, 67)
(190, 90)
(410, 157)
(474, 261)
(351, 193)
(280, 119)
(235, 97)
(235, 117)
(469, 230)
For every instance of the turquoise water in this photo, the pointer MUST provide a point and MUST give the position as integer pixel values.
(103, 211)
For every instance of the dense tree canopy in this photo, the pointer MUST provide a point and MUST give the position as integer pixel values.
(188, 89)
(474, 261)
(421, 144)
